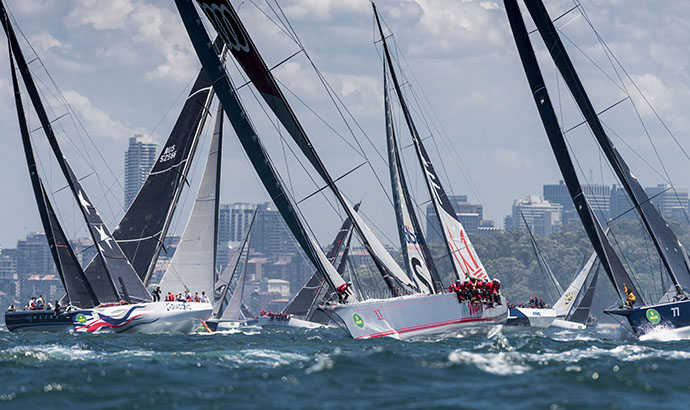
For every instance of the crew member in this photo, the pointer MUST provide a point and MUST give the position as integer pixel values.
(629, 296)
(343, 292)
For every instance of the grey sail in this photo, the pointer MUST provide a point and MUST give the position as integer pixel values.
(193, 266)
(416, 255)
(607, 255)
(581, 313)
(223, 285)
(119, 274)
(233, 311)
(307, 296)
(541, 260)
(464, 258)
(225, 20)
(251, 143)
(671, 251)
(79, 291)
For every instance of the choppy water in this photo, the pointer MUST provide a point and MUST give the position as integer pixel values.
(324, 369)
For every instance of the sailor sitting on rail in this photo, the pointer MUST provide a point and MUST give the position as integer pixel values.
(629, 297)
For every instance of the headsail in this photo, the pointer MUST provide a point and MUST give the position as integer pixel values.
(250, 141)
(227, 23)
(581, 313)
(119, 273)
(79, 291)
(233, 311)
(194, 264)
(671, 251)
(418, 262)
(608, 257)
(464, 259)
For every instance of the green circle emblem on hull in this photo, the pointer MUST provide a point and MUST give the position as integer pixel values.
(358, 320)
(81, 318)
(653, 316)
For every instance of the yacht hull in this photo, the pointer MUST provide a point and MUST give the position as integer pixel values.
(672, 315)
(264, 321)
(155, 317)
(38, 320)
(414, 315)
(530, 317)
(566, 324)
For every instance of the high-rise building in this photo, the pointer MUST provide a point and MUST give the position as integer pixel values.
(233, 222)
(139, 159)
(599, 197)
(542, 216)
(34, 257)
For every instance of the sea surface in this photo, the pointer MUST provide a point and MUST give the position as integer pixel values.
(325, 369)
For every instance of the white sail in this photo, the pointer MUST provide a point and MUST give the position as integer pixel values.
(234, 309)
(566, 303)
(193, 266)
(378, 250)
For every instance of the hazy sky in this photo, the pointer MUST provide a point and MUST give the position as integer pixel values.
(122, 66)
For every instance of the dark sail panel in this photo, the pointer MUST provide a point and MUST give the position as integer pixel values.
(670, 249)
(141, 231)
(581, 313)
(117, 266)
(608, 257)
(79, 291)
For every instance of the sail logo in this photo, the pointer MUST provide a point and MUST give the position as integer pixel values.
(359, 322)
(653, 316)
(225, 22)
(81, 319)
(168, 154)
(410, 236)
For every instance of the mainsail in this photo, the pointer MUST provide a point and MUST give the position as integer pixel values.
(227, 23)
(79, 291)
(194, 262)
(464, 259)
(305, 299)
(118, 272)
(418, 262)
(142, 230)
(671, 251)
(251, 143)
(607, 255)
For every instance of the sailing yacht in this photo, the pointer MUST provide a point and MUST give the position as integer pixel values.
(112, 296)
(672, 311)
(410, 310)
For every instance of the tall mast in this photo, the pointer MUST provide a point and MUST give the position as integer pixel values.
(671, 251)
(239, 119)
(117, 268)
(225, 20)
(464, 259)
(419, 264)
(608, 257)
(79, 291)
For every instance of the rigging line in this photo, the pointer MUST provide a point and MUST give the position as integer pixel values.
(557, 18)
(281, 27)
(635, 152)
(335, 180)
(285, 60)
(285, 144)
(64, 100)
(633, 274)
(336, 99)
(641, 203)
(51, 121)
(649, 104)
(438, 125)
(598, 114)
(67, 186)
